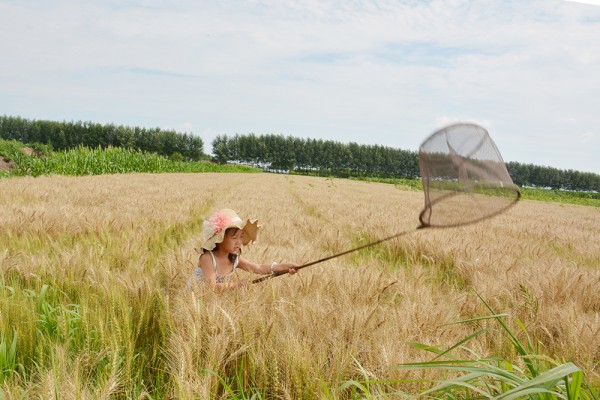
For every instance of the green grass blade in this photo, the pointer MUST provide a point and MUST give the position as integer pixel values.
(543, 381)
(471, 367)
(226, 386)
(574, 385)
(425, 347)
(513, 339)
(464, 321)
(530, 391)
(453, 384)
(464, 340)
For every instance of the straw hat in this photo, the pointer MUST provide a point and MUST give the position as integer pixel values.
(214, 228)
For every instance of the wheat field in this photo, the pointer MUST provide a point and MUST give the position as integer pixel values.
(96, 270)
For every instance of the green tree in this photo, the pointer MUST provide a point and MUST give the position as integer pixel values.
(219, 149)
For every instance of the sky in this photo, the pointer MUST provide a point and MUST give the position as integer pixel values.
(386, 72)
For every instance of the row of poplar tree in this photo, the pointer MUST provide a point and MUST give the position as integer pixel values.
(352, 159)
(290, 153)
(67, 135)
(268, 151)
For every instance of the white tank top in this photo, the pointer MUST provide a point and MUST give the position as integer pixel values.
(199, 276)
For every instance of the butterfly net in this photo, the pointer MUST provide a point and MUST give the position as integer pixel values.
(464, 177)
(464, 180)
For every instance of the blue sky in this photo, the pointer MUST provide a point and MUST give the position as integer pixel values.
(373, 72)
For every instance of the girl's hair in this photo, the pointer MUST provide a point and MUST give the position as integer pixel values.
(228, 232)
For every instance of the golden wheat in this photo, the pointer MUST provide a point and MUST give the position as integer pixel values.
(122, 247)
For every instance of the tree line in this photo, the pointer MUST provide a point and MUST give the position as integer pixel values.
(67, 135)
(268, 151)
(351, 159)
(552, 178)
(291, 153)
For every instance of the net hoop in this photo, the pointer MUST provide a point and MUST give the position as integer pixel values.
(427, 209)
(461, 159)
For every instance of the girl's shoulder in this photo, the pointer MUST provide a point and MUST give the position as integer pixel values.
(206, 257)
(205, 254)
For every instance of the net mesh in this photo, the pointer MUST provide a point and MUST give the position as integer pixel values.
(464, 177)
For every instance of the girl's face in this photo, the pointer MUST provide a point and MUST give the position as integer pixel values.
(232, 242)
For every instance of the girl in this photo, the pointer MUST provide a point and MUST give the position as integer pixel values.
(224, 233)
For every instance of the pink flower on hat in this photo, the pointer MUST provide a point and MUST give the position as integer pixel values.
(213, 228)
(220, 221)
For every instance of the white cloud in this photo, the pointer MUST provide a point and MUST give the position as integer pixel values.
(385, 72)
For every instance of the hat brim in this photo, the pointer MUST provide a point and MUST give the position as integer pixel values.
(249, 229)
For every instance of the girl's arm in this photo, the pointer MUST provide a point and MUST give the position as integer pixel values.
(265, 269)
(210, 277)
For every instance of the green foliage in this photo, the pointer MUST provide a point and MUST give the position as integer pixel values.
(220, 149)
(177, 157)
(8, 357)
(363, 389)
(68, 135)
(495, 377)
(111, 160)
(83, 161)
(317, 156)
(235, 387)
(552, 178)
(9, 149)
(56, 321)
(562, 196)
(345, 160)
(267, 151)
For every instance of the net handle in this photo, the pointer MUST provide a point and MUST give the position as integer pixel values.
(364, 246)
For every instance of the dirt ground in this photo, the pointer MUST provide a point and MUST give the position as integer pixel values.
(5, 165)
